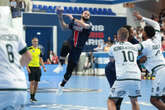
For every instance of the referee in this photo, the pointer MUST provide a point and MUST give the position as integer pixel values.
(34, 69)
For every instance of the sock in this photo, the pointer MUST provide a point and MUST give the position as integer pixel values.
(31, 96)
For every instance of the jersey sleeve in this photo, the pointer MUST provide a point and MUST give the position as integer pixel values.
(22, 47)
(153, 23)
(71, 25)
(144, 45)
(156, 26)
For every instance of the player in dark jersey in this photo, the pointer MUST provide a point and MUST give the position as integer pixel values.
(74, 45)
(110, 71)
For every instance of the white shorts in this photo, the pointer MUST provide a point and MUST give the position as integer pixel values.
(125, 87)
(158, 86)
(12, 100)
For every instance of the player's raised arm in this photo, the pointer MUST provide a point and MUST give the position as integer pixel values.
(151, 22)
(60, 17)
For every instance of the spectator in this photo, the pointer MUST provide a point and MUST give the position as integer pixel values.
(22, 5)
(89, 62)
(48, 61)
(107, 46)
(54, 59)
(13, 5)
(99, 48)
(51, 55)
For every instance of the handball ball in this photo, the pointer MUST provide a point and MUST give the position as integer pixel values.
(59, 10)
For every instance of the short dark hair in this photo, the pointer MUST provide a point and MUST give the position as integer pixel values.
(128, 27)
(150, 31)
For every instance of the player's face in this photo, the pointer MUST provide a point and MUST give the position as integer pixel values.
(144, 35)
(35, 42)
(86, 15)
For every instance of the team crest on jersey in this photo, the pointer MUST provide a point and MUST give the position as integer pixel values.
(33, 50)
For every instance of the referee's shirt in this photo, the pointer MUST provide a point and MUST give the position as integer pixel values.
(36, 54)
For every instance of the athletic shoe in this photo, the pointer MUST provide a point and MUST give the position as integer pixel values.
(33, 100)
(60, 89)
(58, 69)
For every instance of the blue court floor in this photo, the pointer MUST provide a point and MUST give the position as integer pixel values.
(81, 93)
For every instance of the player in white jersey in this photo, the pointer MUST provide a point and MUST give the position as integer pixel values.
(13, 55)
(155, 63)
(127, 71)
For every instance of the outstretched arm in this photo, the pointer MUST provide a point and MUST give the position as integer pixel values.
(79, 22)
(61, 20)
(151, 22)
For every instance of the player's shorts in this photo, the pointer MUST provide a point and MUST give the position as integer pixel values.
(74, 55)
(125, 87)
(35, 74)
(12, 100)
(158, 86)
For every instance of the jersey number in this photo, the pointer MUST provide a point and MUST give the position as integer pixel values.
(9, 49)
(129, 56)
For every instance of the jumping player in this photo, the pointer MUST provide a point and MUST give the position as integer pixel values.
(74, 45)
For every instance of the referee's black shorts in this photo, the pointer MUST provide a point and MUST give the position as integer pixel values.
(35, 74)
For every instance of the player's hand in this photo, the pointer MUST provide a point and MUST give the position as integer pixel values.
(44, 69)
(59, 11)
(137, 15)
(143, 59)
(29, 72)
(70, 16)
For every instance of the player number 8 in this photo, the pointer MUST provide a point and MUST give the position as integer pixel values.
(9, 49)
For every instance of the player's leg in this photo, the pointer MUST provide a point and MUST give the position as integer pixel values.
(68, 74)
(134, 102)
(156, 101)
(66, 47)
(118, 87)
(111, 104)
(158, 90)
(64, 52)
(35, 90)
(32, 90)
(134, 91)
(110, 74)
(32, 81)
(72, 63)
(37, 79)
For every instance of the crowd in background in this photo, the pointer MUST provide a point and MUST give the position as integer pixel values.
(17, 7)
(52, 59)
